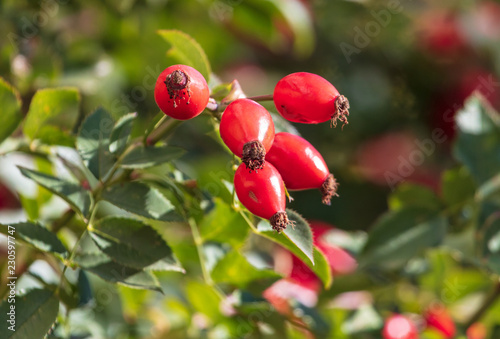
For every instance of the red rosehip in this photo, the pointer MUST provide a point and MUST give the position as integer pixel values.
(248, 130)
(309, 99)
(439, 319)
(8, 200)
(181, 92)
(263, 194)
(301, 166)
(399, 327)
(477, 331)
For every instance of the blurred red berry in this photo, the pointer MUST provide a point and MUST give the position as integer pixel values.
(440, 33)
(438, 318)
(399, 327)
(339, 260)
(477, 331)
(8, 200)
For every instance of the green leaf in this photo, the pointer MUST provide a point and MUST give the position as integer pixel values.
(298, 240)
(121, 132)
(490, 243)
(411, 195)
(299, 235)
(490, 190)
(402, 234)
(93, 142)
(364, 319)
(72, 193)
(134, 244)
(185, 50)
(204, 299)
(10, 101)
(37, 236)
(52, 115)
(283, 125)
(236, 270)
(478, 142)
(143, 157)
(224, 224)
(107, 269)
(140, 199)
(30, 206)
(35, 313)
(457, 186)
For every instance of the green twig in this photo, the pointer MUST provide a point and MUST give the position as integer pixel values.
(488, 302)
(268, 97)
(59, 223)
(167, 125)
(199, 243)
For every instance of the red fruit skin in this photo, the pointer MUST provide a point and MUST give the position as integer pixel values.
(243, 121)
(306, 98)
(190, 101)
(477, 331)
(439, 319)
(262, 192)
(301, 166)
(398, 326)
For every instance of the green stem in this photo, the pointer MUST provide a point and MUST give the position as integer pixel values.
(63, 220)
(162, 130)
(488, 302)
(199, 243)
(75, 247)
(70, 259)
(249, 222)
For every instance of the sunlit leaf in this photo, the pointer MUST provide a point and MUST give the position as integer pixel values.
(185, 50)
(10, 101)
(52, 115)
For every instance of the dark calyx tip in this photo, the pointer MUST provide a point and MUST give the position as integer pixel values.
(329, 189)
(341, 111)
(280, 221)
(254, 155)
(177, 80)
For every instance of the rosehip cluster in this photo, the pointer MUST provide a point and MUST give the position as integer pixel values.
(270, 162)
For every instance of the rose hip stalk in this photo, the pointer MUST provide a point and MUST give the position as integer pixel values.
(248, 130)
(301, 166)
(263, 194)
(181, 92)
(310, 99)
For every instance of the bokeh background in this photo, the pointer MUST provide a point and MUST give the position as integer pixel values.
(405, 65)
